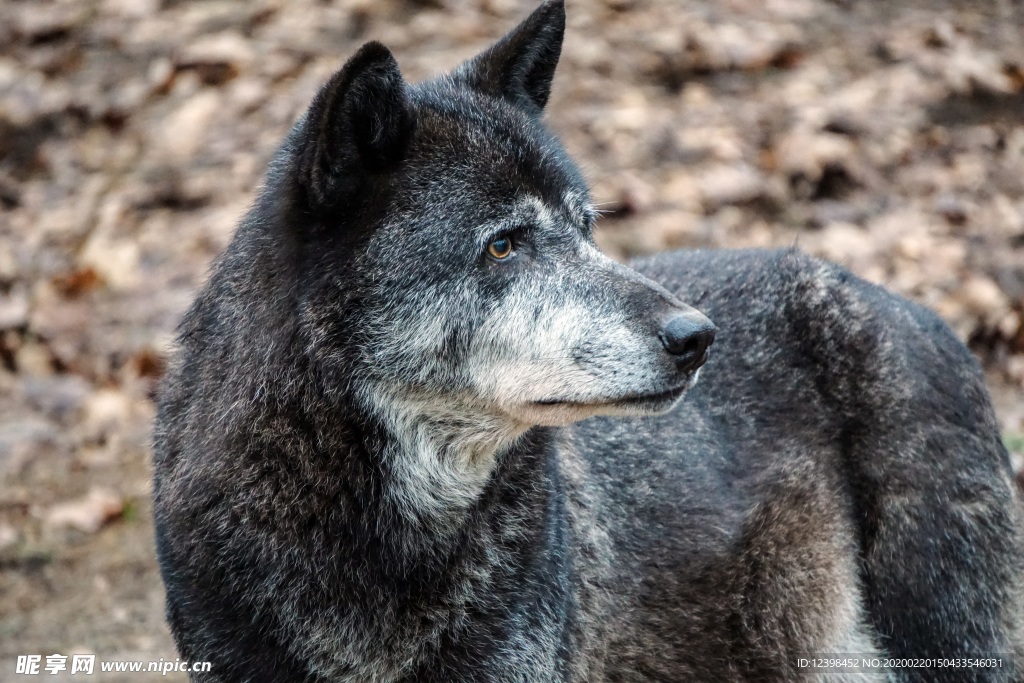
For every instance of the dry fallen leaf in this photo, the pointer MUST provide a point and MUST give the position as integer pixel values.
(87, 514)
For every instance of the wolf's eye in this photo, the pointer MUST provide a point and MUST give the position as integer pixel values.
(500, 248)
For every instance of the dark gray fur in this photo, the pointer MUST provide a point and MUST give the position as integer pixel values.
(354, 480)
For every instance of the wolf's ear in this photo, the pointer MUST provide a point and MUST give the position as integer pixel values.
(360, 122)
(521, 66)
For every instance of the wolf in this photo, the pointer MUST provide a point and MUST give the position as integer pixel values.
(419, 428)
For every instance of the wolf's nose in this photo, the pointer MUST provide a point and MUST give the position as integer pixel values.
(688, 338)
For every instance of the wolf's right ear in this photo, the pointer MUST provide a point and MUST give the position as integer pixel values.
(521, 66)
(359, 123)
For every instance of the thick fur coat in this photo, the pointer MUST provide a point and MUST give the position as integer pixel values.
(418, 428)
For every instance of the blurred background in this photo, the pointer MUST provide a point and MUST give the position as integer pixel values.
(886, 136)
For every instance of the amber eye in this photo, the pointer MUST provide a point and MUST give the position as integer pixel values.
(500, 248)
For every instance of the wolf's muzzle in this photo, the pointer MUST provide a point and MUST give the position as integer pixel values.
(687, 338)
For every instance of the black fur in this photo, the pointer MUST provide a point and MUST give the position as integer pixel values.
(344, 491)
(359, 123)
(521, 66)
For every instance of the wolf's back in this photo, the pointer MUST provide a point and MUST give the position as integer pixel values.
(837, 471)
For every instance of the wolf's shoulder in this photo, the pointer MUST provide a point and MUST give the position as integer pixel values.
(751, 275)
(782, 310)
(791, 288)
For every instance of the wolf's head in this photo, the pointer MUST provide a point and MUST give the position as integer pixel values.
(449, 261)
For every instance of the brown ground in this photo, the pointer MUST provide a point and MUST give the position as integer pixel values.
(886, 136)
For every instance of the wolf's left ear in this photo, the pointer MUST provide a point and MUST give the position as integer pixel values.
(521, 66)
(359, 123)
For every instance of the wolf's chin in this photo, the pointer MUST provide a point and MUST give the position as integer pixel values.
(556, 412)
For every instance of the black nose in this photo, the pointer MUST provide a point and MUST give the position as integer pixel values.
(688, 338)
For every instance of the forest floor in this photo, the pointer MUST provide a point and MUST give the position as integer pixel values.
(888, 137)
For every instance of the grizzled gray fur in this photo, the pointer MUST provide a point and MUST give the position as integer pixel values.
(418, 428)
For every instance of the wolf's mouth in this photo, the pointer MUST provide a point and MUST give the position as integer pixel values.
(659, 398)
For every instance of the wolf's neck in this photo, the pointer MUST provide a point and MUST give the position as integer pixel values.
(441, 453)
